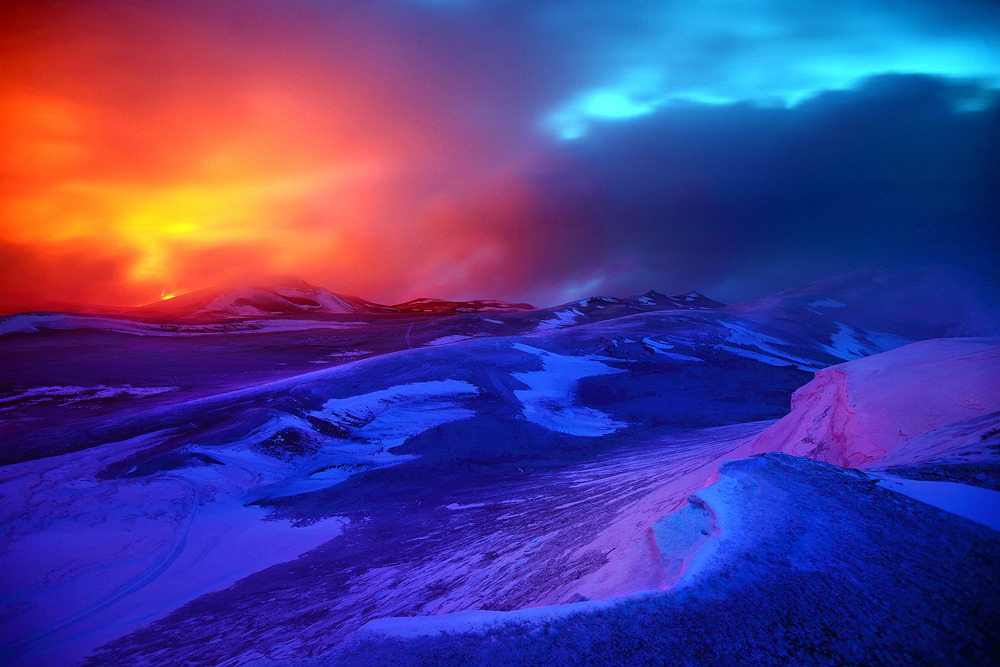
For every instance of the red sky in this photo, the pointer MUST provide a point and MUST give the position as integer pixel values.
(529, 150)
(146, 152)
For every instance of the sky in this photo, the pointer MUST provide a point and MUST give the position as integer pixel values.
(528, 150)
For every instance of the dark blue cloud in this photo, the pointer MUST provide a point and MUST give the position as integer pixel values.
(741, 199)
(627, 58)
(733, 146)
(566, 147)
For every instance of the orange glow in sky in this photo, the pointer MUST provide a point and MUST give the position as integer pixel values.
(142, 154)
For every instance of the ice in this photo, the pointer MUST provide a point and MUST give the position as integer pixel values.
(549, 400)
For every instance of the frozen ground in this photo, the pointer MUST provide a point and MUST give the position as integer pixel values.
(813, 564)
(337, 487)
(428, 542)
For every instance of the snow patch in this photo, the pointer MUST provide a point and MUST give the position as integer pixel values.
(390, 416)
(971, 502)
(72, 394)
(39, 322)
(549, 400)
(92, 560)
(662, 348)
(447, 340)
(480, 621)
(468, 506)
(346, 354)
(564, 318)
(825, 303)
(745, 342)
(850, 343)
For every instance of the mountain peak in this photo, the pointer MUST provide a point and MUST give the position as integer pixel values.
(265, 297)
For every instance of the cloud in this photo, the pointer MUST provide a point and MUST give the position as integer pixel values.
(634, 56)
(306, 137)
(55, 277)
(396, 149)
(743, 199)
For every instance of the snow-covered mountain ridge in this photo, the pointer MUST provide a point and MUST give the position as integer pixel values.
(166, 482)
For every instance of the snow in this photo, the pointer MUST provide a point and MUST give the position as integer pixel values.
(859, 413)
(72, 394)
(825, 303)
(549, 400)
(972, 502)
(850, 343)
(376, 422)
(739, 337)
(468, 506)
(39, 322)
(664, 349)
(389, 416)
(94, 558)
(803, 547)
(36, 322)
(563, 318)
(447, 340)
(967, 441)
(86, 561)
(261, 302)
(480, 621)
(346, 354)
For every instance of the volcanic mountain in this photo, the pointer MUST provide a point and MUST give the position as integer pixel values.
(282, 296)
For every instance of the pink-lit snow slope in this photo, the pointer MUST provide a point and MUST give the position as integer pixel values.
(868, 412)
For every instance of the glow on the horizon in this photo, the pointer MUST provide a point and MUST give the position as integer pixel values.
(238, 163)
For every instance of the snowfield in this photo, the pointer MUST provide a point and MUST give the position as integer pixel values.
(785, 481)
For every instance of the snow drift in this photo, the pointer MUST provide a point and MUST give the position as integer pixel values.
(861, 412)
